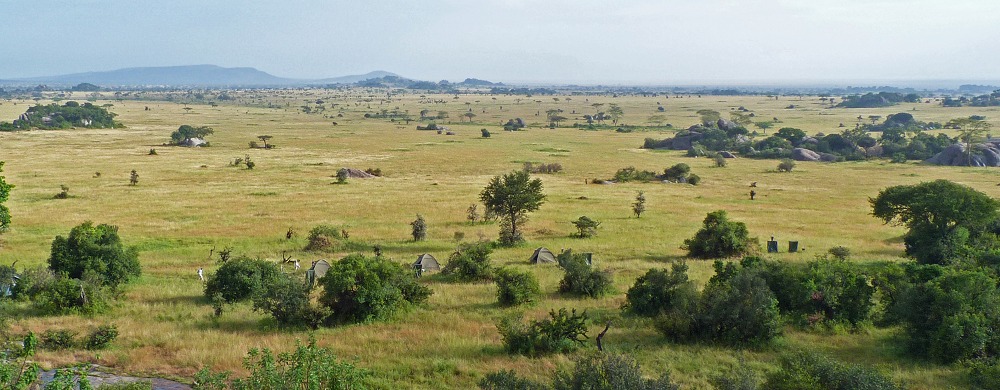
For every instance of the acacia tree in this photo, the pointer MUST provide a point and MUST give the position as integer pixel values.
(4, 195)
(511, 197)
(639, 206)
(973, 131)
(616, 113)
(186, 132)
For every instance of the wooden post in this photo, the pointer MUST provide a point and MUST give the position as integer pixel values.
(601, 336)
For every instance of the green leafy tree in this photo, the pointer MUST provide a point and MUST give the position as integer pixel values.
(639, 206)
(973, 131)
(95, 250)
(586, 227)
(720, 237)
(582, 279)
(709, 116)
(511, 197)
(940, 215)
(242, 279)
(187, 132)
(616, 113)
(286, 299)
(563, 331)
(17, 370)
(658, 291)
(419, 230)
(359, 289)
(4, 195)
(470, 262)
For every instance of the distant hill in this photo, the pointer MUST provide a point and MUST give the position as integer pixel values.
(378, 74)
(200, 75)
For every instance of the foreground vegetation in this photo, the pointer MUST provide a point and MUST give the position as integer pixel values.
(193, 203)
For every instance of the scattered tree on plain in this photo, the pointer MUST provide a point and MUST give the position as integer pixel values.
(511, 197)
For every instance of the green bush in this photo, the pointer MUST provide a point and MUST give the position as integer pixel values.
(586, 227)
(985, 373)
(58, 339)
(508, 380)
(95, 249)
(786, 165)
(516, 288)
(720, 161)
(241, 279)
(17, 371)
(693, 179)
(609, 372)
(678, 172)
(471, 262)
(581, 279)
(359, 288)
(322, 237)
(287, 301)
(840, 252)
(419, 226)
(803, 370)
(738, 309)
(720, 237)
(63, 295)
(658, 291)
(563, 332)
(628, 174)
(307, 367)
(101, 337)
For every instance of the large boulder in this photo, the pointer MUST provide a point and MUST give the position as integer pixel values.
(726, 154)
(802, 154)
(984, 155)
(683, 142)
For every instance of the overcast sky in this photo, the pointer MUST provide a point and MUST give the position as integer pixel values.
(583, 41)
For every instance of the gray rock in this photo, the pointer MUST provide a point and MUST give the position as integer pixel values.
(802, 154)
(726, 154)
(984, 155)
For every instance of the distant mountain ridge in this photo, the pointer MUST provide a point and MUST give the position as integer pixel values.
(189, 75)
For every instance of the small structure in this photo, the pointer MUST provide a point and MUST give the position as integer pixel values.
(426, 262)
(7, 286)
(542, 255)
(793, 246)
(192, 142)
(772, 245)
(317, 271)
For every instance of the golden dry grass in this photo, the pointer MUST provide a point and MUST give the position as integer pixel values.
(190, 200)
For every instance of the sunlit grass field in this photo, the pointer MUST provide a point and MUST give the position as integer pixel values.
(190, 200)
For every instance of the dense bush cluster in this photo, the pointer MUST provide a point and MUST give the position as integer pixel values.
(563, 331)
(803, 370)
(97, 252)
(359, 289)
(242, 279)
(581, 278)
(470, 263)
(516, 287)
(542, 168)
(70, 114)
(678, 173)
(590, 371)
(720, 237)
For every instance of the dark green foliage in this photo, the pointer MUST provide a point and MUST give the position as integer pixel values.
(679, 172)
(628, 174)
(639, 206)
(342, 175)
(308, 367)
(64, 295)
(511, 197)
(58, 339)
(874, 100)
(70, 114)
(658, 291)
(101, 337)
(720, 237)
(839, 290)
(542, 168)
(4, 195)
(739, 309)
(693, 179)
(741, 378)
(324, 237)
(508, 380)
(609, 372)
(952, 316)
(17, 371)
(774, 142)
(581, 279)
(809, 371)
(563, 331)
(985, 374)
(516, 288)
(486, 133)
(186, 132)
(586, 227)
(786, 165)
(242, 279)
(97, 250)
(720, 161)
(840, 252)
(470, 263)
(359, 289)
(943, 218)
(419, 226)
(286, 299)
(793, 135)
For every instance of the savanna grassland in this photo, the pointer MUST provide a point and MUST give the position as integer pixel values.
(191, 200)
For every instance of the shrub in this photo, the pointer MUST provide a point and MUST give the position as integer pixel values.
(786, 165)
(840, 252)
(374, 171)
(359, 288)
(581, 279)
(101, 337)
(628, 174)
(678, 172)
(137, 385)
(64, 192)
(97, 250)
(58, 339)
(720, 162)
(803, 370)
(586, 227)
(63, 295)
(241, 279)
(693, 179)
(516, 288)
(985, 373)
(639, 206)
(471, 262)
(609, 372)
(659, 291)
(564, 331)
(720, 237)
(322, 237)
(307, 367)
(17, 371)
(508, 380)
(419, 226)
(286, 299)
(486, 133)
(342, 175)
(738, 309)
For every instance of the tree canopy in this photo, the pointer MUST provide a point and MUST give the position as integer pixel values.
(70, 114)
(719, 237)
(95, 250)
(511, 197)
(186, 132)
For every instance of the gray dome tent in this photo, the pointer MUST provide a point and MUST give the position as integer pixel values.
(318, 270)
(426, 262)
(542, 255)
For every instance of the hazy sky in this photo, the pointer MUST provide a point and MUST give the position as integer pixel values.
(585, 41)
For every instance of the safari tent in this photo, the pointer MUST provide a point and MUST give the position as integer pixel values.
(318, 270)
(426, 262)
(542, 255)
